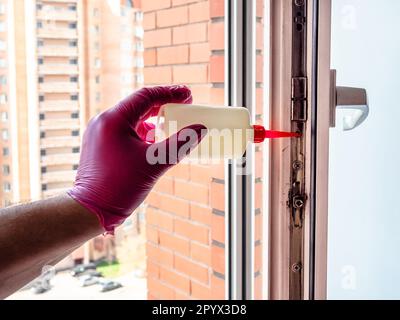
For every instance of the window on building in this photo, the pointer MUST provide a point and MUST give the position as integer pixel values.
(97, 79)
(41, 98)
(40, 61)
(73, 79)
(4, 116)
(72, 25)
(6, 152)
(7, 187)
(5, 135)
(139, 32)
(72, 7)
(40, 79)
(139, 16)
(75, 133)
(73, 43)
(43, 170)
(2, 8)
(42, 134)
(42, 116)
(3, 98)
(44, 187)
(75, 167)
(6, 170)
(75, 150)
(39, 24)
(73, 61)
(39, 6)
(3, 80)
(98, 97)
(97, 63)
(75, 115)
(74, 97)
(95, 12)
(40, 43)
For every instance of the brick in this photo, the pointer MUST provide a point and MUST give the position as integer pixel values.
(218, 259)
(174, 243)
(258, 195)
(182, 296)
(260, 68)
(172, 17)
(199, 52)
(149, 21)
(200, 253)
(181, 2)
(174, 205)
(150, 57)
(190, 74)
(152, 5)
(258, 288)
(194, 270)
(175, 280)
(180, 171)
(258, 227)
(217, 196)
(217, 288)
(258, 258)
(153, 200)
(173, 55)
(192, 231)
(217, 68)
(190, 33)
(217, 8)
(158, 75)
(151, 234)
(153, 270)
(201, 93)
(218, 228)
(200, 292)
(200, 214)
(159, 290)
(218, 171)
(163, 257)
(259, 36)
(200, 174)
(199, 12)
(157, 218)
(191, 192)
(217, 97)
(158, 38)
(217, 35)
(165, 185)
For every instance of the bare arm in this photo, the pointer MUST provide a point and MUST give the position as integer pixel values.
(39, 234)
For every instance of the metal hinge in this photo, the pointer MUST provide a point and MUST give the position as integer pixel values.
(297, 201)
(299, 99)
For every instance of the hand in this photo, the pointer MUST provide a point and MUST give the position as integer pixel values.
(115, 174)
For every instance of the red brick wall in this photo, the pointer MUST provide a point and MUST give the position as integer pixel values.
(184, 44)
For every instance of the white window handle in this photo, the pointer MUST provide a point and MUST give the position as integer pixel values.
(353, 100)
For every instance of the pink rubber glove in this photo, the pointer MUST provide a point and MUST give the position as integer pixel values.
(114, 174)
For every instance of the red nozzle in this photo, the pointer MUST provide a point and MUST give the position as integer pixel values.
(260, 134)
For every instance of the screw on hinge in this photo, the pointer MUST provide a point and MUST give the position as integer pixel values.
(297, 165)
(296, 267)
(298, 202)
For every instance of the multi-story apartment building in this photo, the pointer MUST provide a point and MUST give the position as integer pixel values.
(61, 62)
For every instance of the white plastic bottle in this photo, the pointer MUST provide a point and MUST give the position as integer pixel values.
(229, 129)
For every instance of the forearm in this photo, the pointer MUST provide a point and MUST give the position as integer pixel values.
(39, 234)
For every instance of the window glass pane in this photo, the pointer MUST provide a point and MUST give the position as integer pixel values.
(173, 247)
(363, 254)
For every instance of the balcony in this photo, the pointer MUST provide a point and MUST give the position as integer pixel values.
(59, 124)
(59, 105)
(56, 15)
(60, 159)
(60, 142)
(58, 176)
(58, 69)
(59, 87)
(57, 33)
(58, 51)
